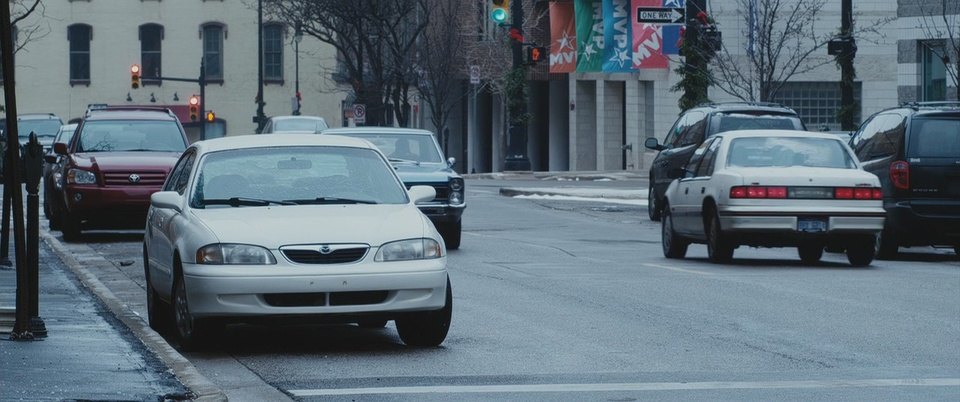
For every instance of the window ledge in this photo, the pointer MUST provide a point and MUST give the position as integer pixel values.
(85, 83)
(273, 81)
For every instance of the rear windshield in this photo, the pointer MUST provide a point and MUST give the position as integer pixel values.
(407, 147)
(130, 135)
(41, 127)
(789, 151)
(743, 121)
(935, 138)
(304, 124)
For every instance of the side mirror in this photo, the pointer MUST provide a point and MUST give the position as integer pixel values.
(50, 158)
(652, 143)
(451, 161)
(167, 200)
(60, 148)
(419, 193)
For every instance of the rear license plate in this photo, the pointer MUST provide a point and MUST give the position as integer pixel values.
(812, 224)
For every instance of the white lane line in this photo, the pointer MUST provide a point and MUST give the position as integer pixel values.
(667, 267)
(618, 387)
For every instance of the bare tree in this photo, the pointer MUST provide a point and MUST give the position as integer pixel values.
(441, 62)
(27, 31)
(940, 23)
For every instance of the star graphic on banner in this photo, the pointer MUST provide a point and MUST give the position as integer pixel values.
(565, 41)
(621, 57)
(589, 51)
(672, 3)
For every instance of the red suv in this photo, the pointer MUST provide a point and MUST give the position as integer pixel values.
(118, 157)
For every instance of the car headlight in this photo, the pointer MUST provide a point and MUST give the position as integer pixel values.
(412, 249)
(77, 176)
(455, 197)
(229, 254)
(57, 180)
(456, 184)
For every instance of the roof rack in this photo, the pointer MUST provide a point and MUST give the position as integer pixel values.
(96, 107)
(751, 103)
(917, 105)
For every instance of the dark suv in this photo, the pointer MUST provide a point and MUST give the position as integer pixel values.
(117, 158)
(695, 125)
(915, 150)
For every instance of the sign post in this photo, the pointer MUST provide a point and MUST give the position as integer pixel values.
(359, 113)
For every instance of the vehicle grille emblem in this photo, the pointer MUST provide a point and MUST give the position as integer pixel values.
(134, 178)
(325, 249)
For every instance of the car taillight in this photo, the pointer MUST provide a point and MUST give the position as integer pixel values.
(758, 192)
(843, 193)
(900, 175)
(839, 193)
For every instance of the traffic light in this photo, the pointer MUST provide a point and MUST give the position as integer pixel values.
(536, 54)
(211, 116)
(135, 76)
(194, 107)
(500, 11)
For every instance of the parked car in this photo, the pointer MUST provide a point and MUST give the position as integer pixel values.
(52, 178)
(915, 150)
(300, 226)
(773, 188)
(116, 159)
(418, 160)
(45, 125)
(698, 124)
(294, 125)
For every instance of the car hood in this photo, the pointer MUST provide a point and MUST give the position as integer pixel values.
(277, 226)
(805, 176)
(140, 160)
(424, 173)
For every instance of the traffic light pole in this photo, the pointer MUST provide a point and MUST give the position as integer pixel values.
(847, 71)
(517, 159)
(202, 81)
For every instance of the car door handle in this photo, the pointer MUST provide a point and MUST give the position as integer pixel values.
(702, 190)
(686, 190)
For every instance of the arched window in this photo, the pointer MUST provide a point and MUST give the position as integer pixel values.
(212, 34)
(273, 52)
(151, 36)
(79, 36)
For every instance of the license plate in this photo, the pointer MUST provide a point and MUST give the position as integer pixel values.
(811, 224)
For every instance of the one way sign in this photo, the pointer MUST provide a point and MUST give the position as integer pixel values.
(660, 15)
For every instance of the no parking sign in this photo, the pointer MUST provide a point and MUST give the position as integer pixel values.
(359, 113)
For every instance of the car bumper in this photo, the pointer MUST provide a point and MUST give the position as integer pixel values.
(92, 202)
(229, 291)
(442, 212)
(839, 220)
(925, 222)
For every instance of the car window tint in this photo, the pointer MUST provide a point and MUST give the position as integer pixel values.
(693, 129)
(744, 121)
(417, 147)
(171, 182)
(296, 173)
(886, 141)
(789, 151)
(864, 139)
(934, 138)
(130, 135)
(184, 176)
(706, 166)
(697, 156)
(674, 136)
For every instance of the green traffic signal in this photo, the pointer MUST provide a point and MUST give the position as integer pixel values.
(499, 15)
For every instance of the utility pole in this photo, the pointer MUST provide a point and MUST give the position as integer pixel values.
(260, 117)
(847, 71)
(517, 144)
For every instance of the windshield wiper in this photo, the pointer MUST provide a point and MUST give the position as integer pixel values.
(398, 160)
(243, 201)
(331, 200)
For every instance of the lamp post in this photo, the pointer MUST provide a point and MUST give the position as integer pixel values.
(261, 118)
(297, 37)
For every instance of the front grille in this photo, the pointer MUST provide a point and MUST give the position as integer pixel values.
(337, 256)
(154, 179)
(321, 299)
(443, 190)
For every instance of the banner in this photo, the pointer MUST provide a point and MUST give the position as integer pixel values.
(647, 43)
(672, 33)
(617, 56)
(589, 20)
(563, 38)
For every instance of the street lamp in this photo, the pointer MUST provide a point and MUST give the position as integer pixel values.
(297, 37)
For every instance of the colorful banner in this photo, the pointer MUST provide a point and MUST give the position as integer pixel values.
(589, 20)
(647, 43)
(672, 33)
(617, 39)
(563, 42)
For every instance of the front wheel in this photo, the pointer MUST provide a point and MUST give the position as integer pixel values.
(673, 246)
(193, 333)
(451, 234)
(653, 210)
(159, 314)
(429, 328)
(861, 252)
(70, 226)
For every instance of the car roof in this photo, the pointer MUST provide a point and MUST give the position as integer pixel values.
(279, 140)
(71, 126)
(776, 133)
(37, 116)
(746, 107)
(377, 130)
(294, 117)
(94, 115)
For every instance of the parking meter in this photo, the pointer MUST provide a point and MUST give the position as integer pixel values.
(32, 164)
(32, 156)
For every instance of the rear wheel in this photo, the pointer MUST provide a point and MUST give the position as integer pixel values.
(70, 226)
(673, 246)
(861, 251)
(810, 253)
(451, 234)
(427, 328)
(719, 249)
(653, 210)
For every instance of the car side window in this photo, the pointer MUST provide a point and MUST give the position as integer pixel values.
(864, 139)
(673, 137)
(171, 182)
(694, 162)
(184, 177)
(888, 139)
(706, 166)
(695, 127)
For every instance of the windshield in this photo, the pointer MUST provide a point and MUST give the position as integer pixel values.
(42, 127)
(130, 135)
(935, 138)
(742, 121)
(66, 133)
(302, 124)
(405, 147)
(789, 151)
(295, 175)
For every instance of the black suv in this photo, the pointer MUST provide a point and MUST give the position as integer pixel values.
(695, 125)
(915, 150)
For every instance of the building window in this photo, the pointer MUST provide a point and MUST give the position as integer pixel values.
(213, 34)
(934, 71)
(817, 102)
(79, 36)
(273, 52)
(150, 37)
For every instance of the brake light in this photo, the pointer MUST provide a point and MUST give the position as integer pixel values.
(878, 194)
(843, 193)
(838, 193)
(900, 175)
(758, 192)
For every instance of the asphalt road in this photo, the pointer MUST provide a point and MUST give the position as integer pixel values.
(562, 300)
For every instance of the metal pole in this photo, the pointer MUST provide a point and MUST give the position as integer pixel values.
(32, 171)
(517, 146)
(203, 100)
(296, 50)
(847, 71)
(5, 226)
(260, 116)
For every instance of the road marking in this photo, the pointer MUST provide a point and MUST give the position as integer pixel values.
(667, 267)
(620, 387)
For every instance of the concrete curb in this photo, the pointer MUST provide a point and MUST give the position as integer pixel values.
(202, 388)
(616, 194)
(560, 176)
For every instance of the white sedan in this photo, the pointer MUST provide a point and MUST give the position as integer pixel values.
(772, 188)
(315, 228)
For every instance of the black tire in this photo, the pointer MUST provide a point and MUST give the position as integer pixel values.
(956, 249)
(429, 328)
(887, 245)
(673, 246)
(54, 217)
(70, 227)
(193, 333)
(159, 312)
(451, 234)
(719, 249)
(372, 323)
(861, 251)
(46, 207)
(654, 211)
(810, 253)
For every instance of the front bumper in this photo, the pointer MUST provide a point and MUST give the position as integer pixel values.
(128, 204)
(442, 212)
(232, 291)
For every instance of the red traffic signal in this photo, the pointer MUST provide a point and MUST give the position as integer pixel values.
(194, 103)
(135, 76)
(536, 54)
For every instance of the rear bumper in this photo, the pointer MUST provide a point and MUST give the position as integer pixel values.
(925, 222)
(780, 228)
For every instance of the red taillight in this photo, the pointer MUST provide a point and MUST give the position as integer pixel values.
(758, 192)
(863, 193)
(843, 193)
(738, 192)
(776, 192)
(900, 175)
(877, 194)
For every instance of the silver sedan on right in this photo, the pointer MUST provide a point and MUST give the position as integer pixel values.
(774, 188)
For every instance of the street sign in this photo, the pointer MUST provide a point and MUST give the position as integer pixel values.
(474, 74)
(359, 113)
(660, 15)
